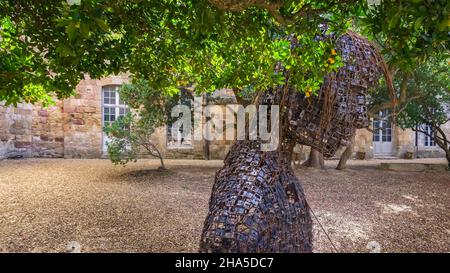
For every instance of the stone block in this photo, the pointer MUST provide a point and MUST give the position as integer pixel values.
(43, 113)
(68, 108)
(437, 167)
(90, 109)
(411, 167)
(22, 144)
(78, 121)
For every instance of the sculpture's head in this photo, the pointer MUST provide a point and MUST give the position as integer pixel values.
(329, 120)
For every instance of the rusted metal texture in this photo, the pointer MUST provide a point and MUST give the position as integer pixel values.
(257, 203)
(329, 120)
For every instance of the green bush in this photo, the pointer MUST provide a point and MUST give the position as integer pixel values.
(130, 135)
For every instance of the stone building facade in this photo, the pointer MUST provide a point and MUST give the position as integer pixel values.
(73, 129)
(385, 140)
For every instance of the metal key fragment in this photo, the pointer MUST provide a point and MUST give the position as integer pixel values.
(257, 202)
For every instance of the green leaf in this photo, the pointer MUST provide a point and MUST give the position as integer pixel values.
(102, 24)
(71, 30)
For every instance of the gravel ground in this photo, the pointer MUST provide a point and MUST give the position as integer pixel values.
(47, 203)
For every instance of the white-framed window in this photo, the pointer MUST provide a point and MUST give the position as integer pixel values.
(177, 141)
(427, 140)
(382, 127)
(112, 108)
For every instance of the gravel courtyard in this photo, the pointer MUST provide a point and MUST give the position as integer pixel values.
(47, 203)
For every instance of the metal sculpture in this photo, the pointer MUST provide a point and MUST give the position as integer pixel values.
(329, 120)
(257, 203)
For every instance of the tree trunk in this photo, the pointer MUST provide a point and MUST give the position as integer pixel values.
(346, 155)
(297, 157)
(442, 142)
(206, 152)
(161, 159)
(162, 167)
(154, 151)
(315, 160)
(447, 153)
(290, 152)
(257, 205)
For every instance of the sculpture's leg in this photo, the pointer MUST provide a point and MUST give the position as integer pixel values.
(257, 205)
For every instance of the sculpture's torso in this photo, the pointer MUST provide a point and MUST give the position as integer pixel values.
(257, 205)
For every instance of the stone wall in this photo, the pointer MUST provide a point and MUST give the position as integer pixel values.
(436, 151)
(31, 131)
(47, 131)
(218, 149)
(15, 131)
(4, 125)
(364, 142)
(403, 142)
(83, 118)
(82, 122)
(73, 129)
(159, 138)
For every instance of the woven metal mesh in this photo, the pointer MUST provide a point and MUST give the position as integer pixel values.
(257, 203)
(329, 120)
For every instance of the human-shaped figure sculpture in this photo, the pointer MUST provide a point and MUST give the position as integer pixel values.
(257, 202)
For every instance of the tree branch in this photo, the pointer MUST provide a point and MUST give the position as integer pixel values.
(273, 7)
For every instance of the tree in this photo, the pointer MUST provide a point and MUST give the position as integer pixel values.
(346, 155)
(209, 44)
(409, 32)
(127, 138)
(170, 43)
(315, 160)
(130, 134)
(49, 46)
(431, 106)
(405, 42)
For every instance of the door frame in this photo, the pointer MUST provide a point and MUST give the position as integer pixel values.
(381, 118)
